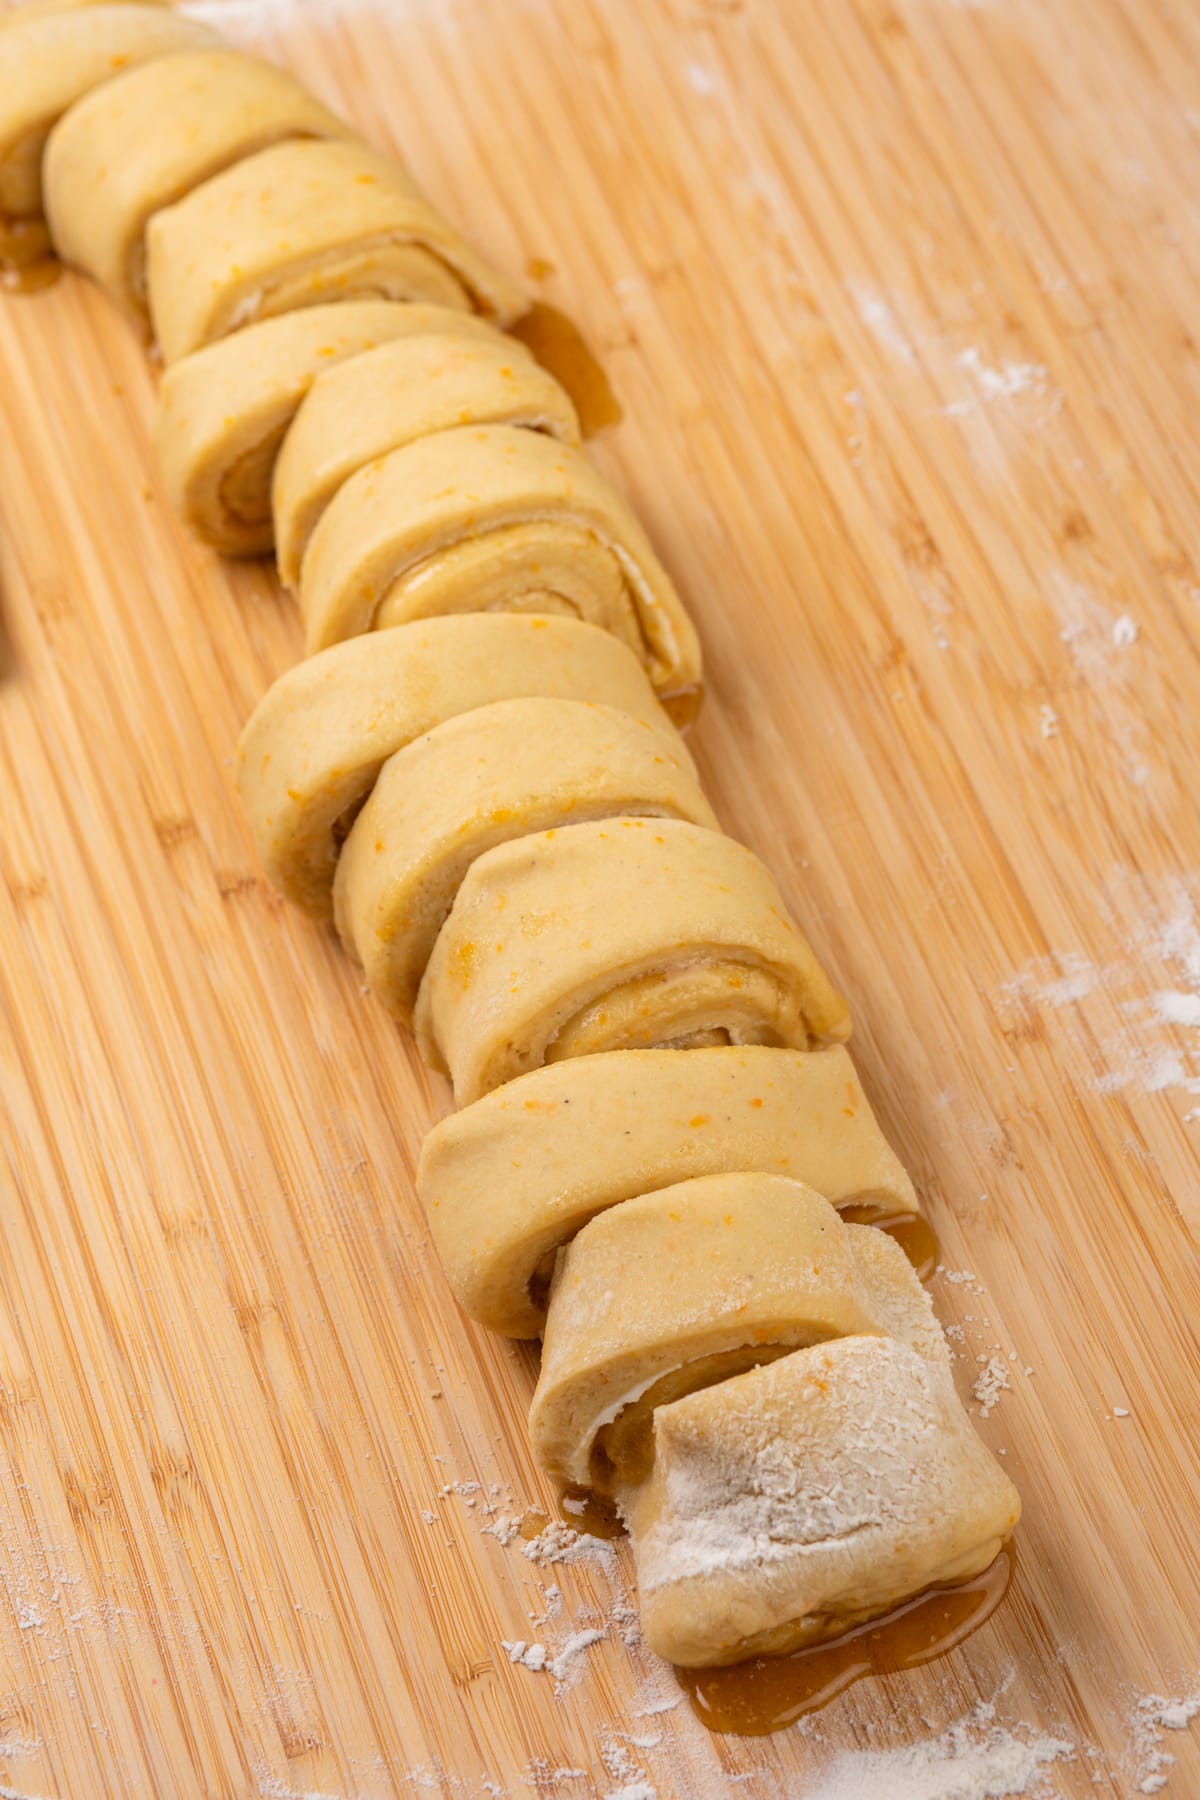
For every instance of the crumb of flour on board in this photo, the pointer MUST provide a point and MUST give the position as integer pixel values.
(973, 1759)
(1150, 1717)
(1152, 991)
(991, 1382)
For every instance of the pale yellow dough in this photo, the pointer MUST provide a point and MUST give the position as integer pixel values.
(224, 411)
(300, 224)
(686, 1287)
(622, 934)
(508, 1181)
(149, 137)
(313, 748)
(796, 1500)
(51, 59)
(404, 391)
(495, 519)
(482, 778)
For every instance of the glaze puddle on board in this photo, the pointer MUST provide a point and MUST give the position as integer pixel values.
(912, 1231)
(768, 1693)
(560, 347)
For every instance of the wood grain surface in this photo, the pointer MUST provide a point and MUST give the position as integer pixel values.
(900, 299)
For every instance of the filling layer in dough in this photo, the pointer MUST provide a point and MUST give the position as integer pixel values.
(51, 59)
(481, 779)
(621, 934)
(491, 518)
(797, 1500)
(402, 392)
(313, 747)
(678, 1290)
(509, 1180)
(300, 224)
(225, 411)
(149, 137)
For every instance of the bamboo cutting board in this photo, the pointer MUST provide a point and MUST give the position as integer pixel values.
(899, 297)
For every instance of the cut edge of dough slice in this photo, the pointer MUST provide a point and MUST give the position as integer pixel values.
(225, 410)
(145, 139)
(621, 934)
(501, 771)
(51, 59)
(395, 395)
(313, 747)
(793, 1502)
(508, 1181)
(303, 223)
(479, 487)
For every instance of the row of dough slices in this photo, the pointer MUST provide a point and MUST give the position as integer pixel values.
(285, 268)
(477, 776)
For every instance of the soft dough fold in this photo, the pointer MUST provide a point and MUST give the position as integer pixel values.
(481, 779)
(622, 934)
(313, 747)
(493, 518)
(509, 1180)
(299, 224)
(225, 410)
(147, 138)
(404, 391)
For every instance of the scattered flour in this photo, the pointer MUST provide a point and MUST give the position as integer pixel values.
(1125, 631)
(1049, 721)
(973, 1759)
(992, 1381)
(960, 1278)
(1151, 1716)
(1003, 382)
(881, 321)
(1157, 922)
(559, 1543)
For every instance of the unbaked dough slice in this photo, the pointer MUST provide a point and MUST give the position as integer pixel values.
(224, 411)
(402, 392)
(480, 779)
(492, 518)
(300, 224)
(314, 745)
(508, 1181)
(678, 1290)
(52, 59)
(617, 935)
(790, 1503)
(149, 137)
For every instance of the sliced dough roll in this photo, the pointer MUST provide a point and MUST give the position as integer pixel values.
(618, 935)
(149, 137)
(508, 1181)
(494, 519)
(50, 60)
(480, 779)
(224, 411)
(797, 1500)
(399, 393)
(314, 745)
(299, 224)
(678, 1290)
